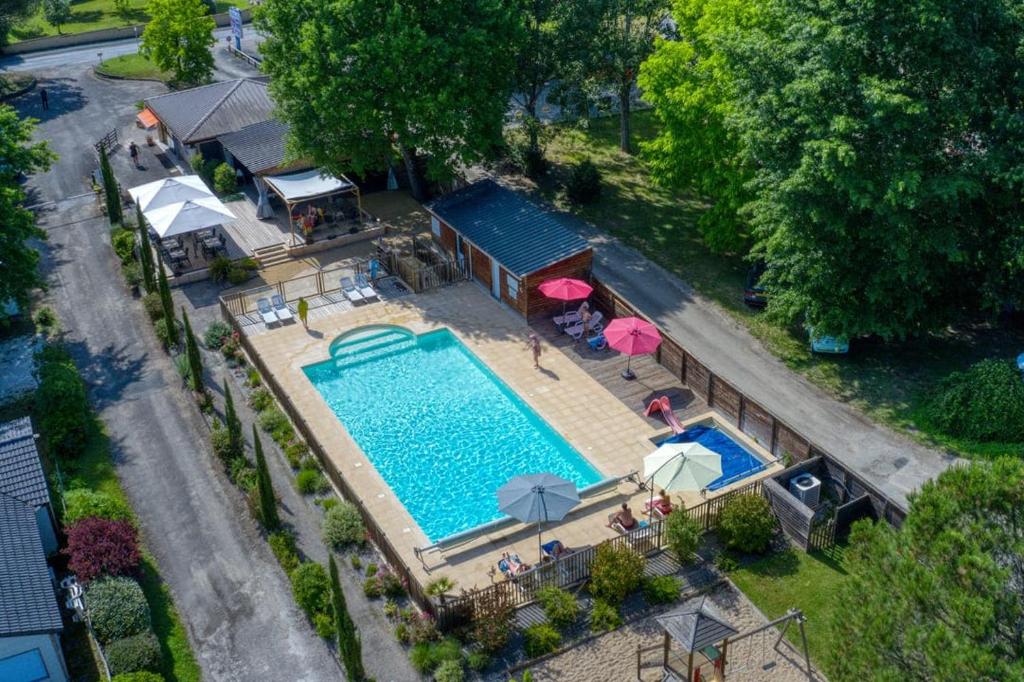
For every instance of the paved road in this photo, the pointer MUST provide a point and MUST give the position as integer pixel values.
(233, 597)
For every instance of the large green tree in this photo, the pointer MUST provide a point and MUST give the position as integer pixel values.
(887, 143)
(539, 56)
(12, 12)
(941, 598)
(610, 40)
(264, 486)
(358, 80)
(349, 643)
(689, 82)
(57, 12)
(178, 38)
(18, 156)
(111, 191)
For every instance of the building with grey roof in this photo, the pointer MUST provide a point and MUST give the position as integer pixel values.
(30, 619)
(22, 476)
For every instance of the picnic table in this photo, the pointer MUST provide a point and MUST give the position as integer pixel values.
(177, 254)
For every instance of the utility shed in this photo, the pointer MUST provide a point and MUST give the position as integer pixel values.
(509, 243)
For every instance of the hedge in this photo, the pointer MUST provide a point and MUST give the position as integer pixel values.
(117, 608)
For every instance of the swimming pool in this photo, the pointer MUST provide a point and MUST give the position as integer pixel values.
(737, 461)
(443, 431)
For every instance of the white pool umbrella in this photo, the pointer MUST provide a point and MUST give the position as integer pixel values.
(537, 498)
(682, 466)
(167, 191)
(188, 216)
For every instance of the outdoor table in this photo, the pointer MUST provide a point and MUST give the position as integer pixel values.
(211, 242)
(176, 254)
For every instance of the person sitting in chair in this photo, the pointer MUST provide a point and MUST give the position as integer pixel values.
(622, 518)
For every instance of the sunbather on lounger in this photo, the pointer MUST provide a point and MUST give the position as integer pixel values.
(662, 505)
(555, 549)
(622, 518)
(511, 565)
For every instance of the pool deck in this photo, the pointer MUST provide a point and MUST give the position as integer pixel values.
(608, 429)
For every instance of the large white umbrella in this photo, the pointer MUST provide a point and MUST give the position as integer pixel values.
(537, 498)
(167, 191)
(188, 216)
(682, 466)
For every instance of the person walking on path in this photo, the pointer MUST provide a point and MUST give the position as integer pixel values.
(133, 150)
(303, 309)
(533, 343)
(44, 99)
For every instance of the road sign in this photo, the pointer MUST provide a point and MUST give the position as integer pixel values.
(236, 25)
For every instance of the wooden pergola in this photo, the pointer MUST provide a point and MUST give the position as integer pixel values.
(310, 185)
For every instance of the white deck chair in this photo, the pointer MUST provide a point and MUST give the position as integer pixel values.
(364, 287)
(351, 292)
(266, 312)
(281, 308)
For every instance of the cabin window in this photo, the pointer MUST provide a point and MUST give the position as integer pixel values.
(513, 286)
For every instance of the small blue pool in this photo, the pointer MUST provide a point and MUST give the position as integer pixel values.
(737, 461)
(441, 428)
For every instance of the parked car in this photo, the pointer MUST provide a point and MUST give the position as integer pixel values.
(833, 345)
(754, 295)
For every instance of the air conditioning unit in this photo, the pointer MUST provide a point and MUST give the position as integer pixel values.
(806, 488)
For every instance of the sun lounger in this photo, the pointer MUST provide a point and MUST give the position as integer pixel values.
(364, 287)
(626, 531)
(571, 317)
(281, 308)
(351, 292)
(266, 312)
(511, 566)
(657, 510)
(576, 331)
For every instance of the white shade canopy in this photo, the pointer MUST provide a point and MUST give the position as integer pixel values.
(682, 466)
(167, 191)
(188, 216)
(308, 185)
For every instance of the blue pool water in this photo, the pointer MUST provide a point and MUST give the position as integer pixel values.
(443, 431)
(737, 461)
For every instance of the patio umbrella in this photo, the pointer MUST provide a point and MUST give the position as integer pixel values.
(565, 289)
(188, 216)
(682, 466)
(167, 191)
(632, 336)
(537, 497)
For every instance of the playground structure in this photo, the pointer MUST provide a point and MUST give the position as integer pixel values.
(664, 406)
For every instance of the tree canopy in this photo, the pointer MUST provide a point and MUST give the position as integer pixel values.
(358, 79)
(939, 599)
(13, 11)
(18, 156)
(178, 38)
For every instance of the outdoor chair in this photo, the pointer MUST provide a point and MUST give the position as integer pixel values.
(364, 287)
(351, 292)
(571, 317)
(281, 308)
(266, 312)
(576, 331)
(597, 342)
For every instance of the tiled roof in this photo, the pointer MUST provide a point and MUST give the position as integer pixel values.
(260, 146)
(21, 471)
(521, 235)
(696, 624)
(28, 603)
(208, 111)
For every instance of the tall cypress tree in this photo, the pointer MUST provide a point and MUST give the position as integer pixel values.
(145, 253)
(349, 645)
(110, 192)
(167, 303)
(268, 503)
(195, 360)
(233, 423)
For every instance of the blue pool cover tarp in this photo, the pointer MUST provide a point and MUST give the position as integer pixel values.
(737, 463)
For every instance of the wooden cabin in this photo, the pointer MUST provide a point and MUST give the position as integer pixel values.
(509, 243)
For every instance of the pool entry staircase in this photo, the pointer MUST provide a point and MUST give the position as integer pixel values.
(368, 344)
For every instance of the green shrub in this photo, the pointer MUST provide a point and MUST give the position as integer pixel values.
(282, 544)
(154, 307)
(309, 482)
(295, 452)
(117, 608)
(478, 661)
(746, 523)
(312, 588)
(61, 402)
(202, 167)
(123, 242)
(323, 623)
(273, 421)
(726, 563)
(371, 588)
(449, 671)
(215, 334)
(252, 379)
(985, 403)
(220, 439)
(356, 562)
(422, 628)
(133, 654)
(402, 633)
(371, 569)
(132, 273)
(224, 179)
(662, 589)
(140, 676)
(604, 617)
(242, 473)
(343, 526)
(682, 535)
(390, 608)
(261, 399)
(163, 333)
(541, 639)
(560, 606)
(390, 584)
(428, 656)
(615, 572)
(82, 503)
(493, 624)
(440, 586)
(219, 268)
(46, 320)
(328, 503)
(584, 183)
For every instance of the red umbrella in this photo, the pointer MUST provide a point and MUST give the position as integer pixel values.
(632, 336)
(565, 289)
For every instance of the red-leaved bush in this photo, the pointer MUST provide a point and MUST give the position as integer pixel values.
(102, 547)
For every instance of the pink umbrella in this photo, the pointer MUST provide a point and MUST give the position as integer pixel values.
(632, 336)
(565, 289)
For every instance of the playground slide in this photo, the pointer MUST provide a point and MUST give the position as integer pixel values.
(663, 405)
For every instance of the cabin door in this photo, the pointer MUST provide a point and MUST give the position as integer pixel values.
(495, 279)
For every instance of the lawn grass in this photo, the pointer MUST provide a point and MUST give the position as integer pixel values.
(796, 579)
(132, 66)
(889, 382)
(93, 15)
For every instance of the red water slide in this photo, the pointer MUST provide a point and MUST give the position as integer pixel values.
(663, 405)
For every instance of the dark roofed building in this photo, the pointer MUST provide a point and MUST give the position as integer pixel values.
(509, 243)
(22, 476)
(260, 148)
(30, 620)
